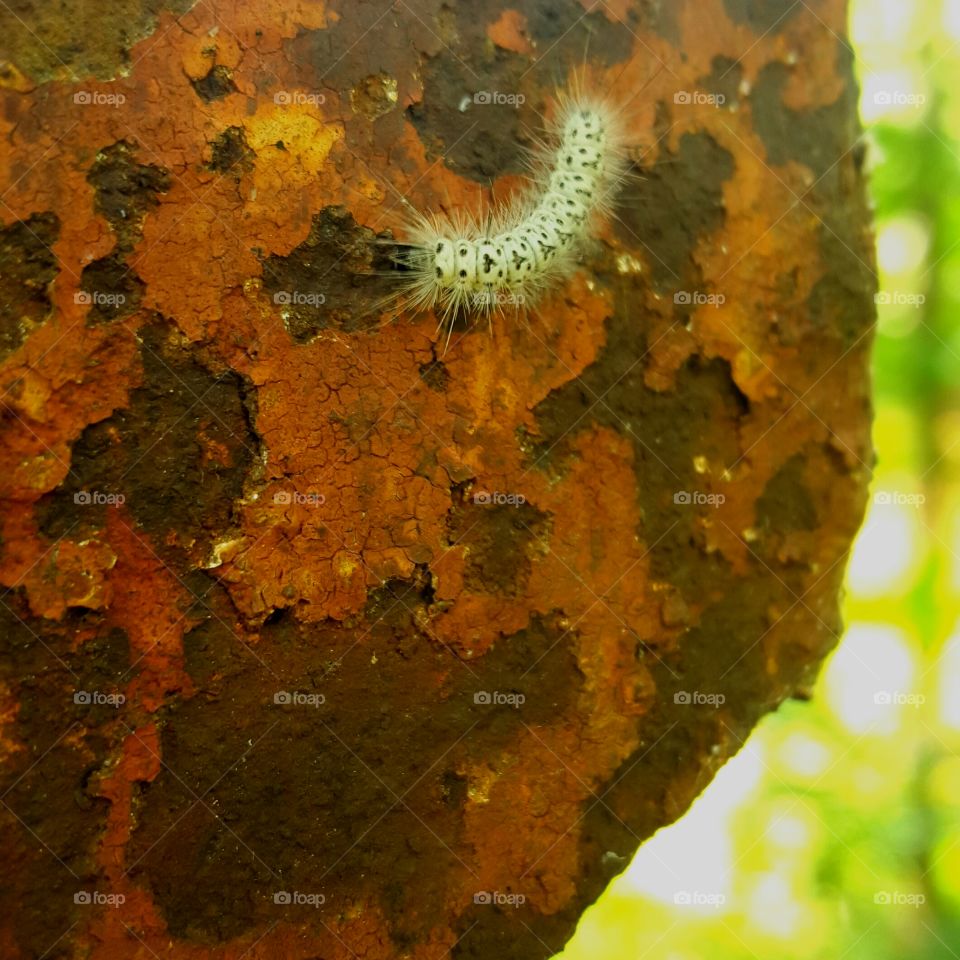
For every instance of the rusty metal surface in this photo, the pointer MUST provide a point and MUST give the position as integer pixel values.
(296, 604)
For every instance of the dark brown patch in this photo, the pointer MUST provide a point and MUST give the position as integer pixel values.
(434, 375)
(355, 795)
(841, 301)
(231, 152)
(460, 120)
(762, 16)
(661, 16)
(216, 85)
(679, 201)
(569, 32)
(723, 81)
(178, 453)
(825, 139)
(816, 138)
(500, 539)
(329, 280)
(110, 289)
(511, 932)
(126, 190)
(785, 504)
(51, 816)
(28, 266)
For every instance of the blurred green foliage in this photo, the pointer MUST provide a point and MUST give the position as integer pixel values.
(835, 832)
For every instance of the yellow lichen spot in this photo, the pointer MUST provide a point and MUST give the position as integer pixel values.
(354, 910)
(304, 135)
(346, 566)
(482, 780)
(12, 79)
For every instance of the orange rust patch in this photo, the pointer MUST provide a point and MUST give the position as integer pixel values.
(510, 32)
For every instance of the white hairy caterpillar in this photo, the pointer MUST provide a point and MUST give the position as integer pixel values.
(463, 264)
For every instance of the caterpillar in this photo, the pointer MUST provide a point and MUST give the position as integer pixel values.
(461, 263)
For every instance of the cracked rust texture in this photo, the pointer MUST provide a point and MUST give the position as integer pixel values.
(391, 625)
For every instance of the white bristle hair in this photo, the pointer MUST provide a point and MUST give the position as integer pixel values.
(467, 264)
